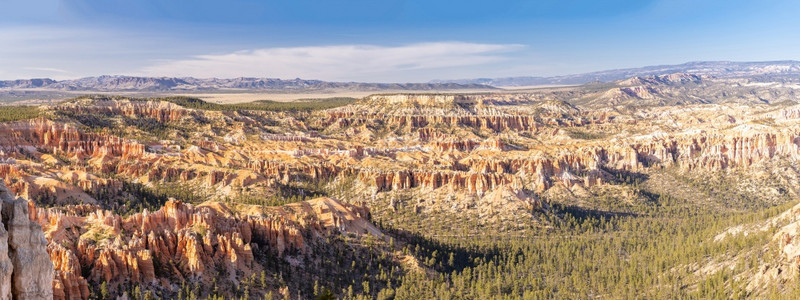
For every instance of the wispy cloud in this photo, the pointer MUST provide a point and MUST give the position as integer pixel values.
(51, 70)
(72, 52)
(338, 62)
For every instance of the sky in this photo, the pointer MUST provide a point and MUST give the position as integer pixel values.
(383, 41)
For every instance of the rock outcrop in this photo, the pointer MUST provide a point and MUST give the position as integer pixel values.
(25, 268)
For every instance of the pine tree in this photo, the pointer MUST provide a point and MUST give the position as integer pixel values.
(326, 294)
(137, 293)
(104, 290)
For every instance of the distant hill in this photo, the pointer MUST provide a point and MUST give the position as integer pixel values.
(161, 84)
(720, 69)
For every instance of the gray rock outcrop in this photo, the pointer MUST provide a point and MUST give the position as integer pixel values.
(26, 271)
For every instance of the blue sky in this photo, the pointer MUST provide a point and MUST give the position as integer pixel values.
(383, 41)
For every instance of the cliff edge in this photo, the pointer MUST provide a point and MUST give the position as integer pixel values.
(25, 268)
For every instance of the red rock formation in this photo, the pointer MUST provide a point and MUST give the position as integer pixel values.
(455, 180)
(65, 139)
(185, 241)
(466, 145)
(421, 112)
(68, 283)
(161, 111)
(583, 166)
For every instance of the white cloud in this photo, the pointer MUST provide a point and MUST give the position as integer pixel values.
(73, 52)
(338, 62)
(43, 69)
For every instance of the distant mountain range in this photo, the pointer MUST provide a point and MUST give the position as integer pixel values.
(719, 69)
(771, 70)
(161, 84)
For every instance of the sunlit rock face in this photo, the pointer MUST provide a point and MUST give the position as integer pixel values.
(26, 271)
